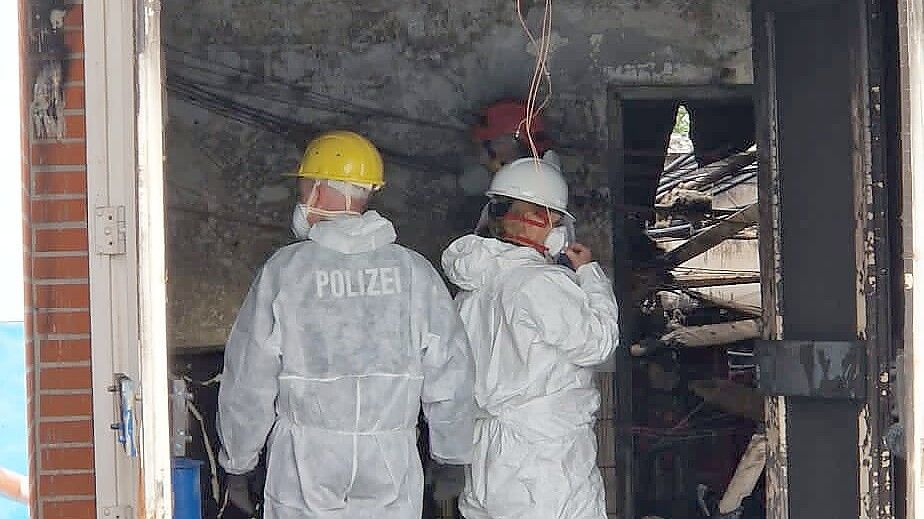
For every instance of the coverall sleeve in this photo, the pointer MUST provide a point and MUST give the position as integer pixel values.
(579, 319)
(250, 380)
(448, 386)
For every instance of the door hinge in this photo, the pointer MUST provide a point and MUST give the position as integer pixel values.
(116, 512)
(110, 230)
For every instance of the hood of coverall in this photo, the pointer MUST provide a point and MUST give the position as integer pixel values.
(472, 261)
(354, 234)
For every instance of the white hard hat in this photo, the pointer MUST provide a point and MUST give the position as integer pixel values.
(532, 180)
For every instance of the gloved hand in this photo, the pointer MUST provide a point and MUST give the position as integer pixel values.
(448, 481)
(579, 254)
(239, 493)
(646, 346)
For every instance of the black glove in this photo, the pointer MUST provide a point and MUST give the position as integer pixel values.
(239, 493)
(448, 481)
(645, 347)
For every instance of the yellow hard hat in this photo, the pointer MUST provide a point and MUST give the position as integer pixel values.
(345, 156)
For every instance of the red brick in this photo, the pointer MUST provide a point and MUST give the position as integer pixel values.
(59, 154)
(73, 70)
(69, 510)
(60, 183)
(75, 127)
(64, 351)
(66, 432)
(63, 323)
(66, 378)
(61, 240)
(52, 211)
(67, 485)
(70, 458)
(65, 405)
(62, 296)
(74, 97)
(61, 268)
(73, 40)
(74, 16)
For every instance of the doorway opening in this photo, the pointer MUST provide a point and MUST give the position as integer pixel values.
(686, 212)
(247, 87)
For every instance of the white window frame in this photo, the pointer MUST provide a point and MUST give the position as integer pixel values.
(911, 29)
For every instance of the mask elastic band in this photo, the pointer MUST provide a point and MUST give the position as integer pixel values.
(324, 213)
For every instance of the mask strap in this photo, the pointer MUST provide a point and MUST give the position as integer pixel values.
(527, 221)
(324, 213)
(516, 239)
(522, 240)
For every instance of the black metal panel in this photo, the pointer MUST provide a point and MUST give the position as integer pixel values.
(807, 58)
(814, 81)
(823, 452)
(813, 88)
(821, 370)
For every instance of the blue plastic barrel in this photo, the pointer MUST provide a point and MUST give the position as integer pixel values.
(187, 494)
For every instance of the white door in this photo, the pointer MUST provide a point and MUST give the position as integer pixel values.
(127, 261)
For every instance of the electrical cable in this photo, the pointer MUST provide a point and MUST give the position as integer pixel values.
(210, 382)
(213, 466)
(222, 104)
(543, 49)
(714, 271)
(224, 504)
(312, 98)
(686, 419)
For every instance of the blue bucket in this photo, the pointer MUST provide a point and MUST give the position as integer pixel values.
(187, 494)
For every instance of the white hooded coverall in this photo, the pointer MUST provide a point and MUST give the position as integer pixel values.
(335, 347)
(536, 329)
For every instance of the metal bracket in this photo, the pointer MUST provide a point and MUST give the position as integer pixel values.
(116, 512)
(124, 391)
(832, 370)
(109, 223)
(179, 417)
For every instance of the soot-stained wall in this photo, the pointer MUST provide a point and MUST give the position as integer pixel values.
(411, 76)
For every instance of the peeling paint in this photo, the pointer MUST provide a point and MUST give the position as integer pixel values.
(865, 453)
(777, 459)
(47, 107)
(660, 73)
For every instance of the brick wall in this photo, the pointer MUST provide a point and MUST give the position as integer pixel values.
(57, 297)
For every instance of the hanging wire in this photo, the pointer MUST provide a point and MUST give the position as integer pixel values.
(540, 72)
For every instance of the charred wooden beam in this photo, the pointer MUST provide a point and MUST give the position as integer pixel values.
(736, 306)
(712, 236)
(715, 280)
(713, 334)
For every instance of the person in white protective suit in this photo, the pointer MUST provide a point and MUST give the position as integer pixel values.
(536, 329)
(341, 338)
